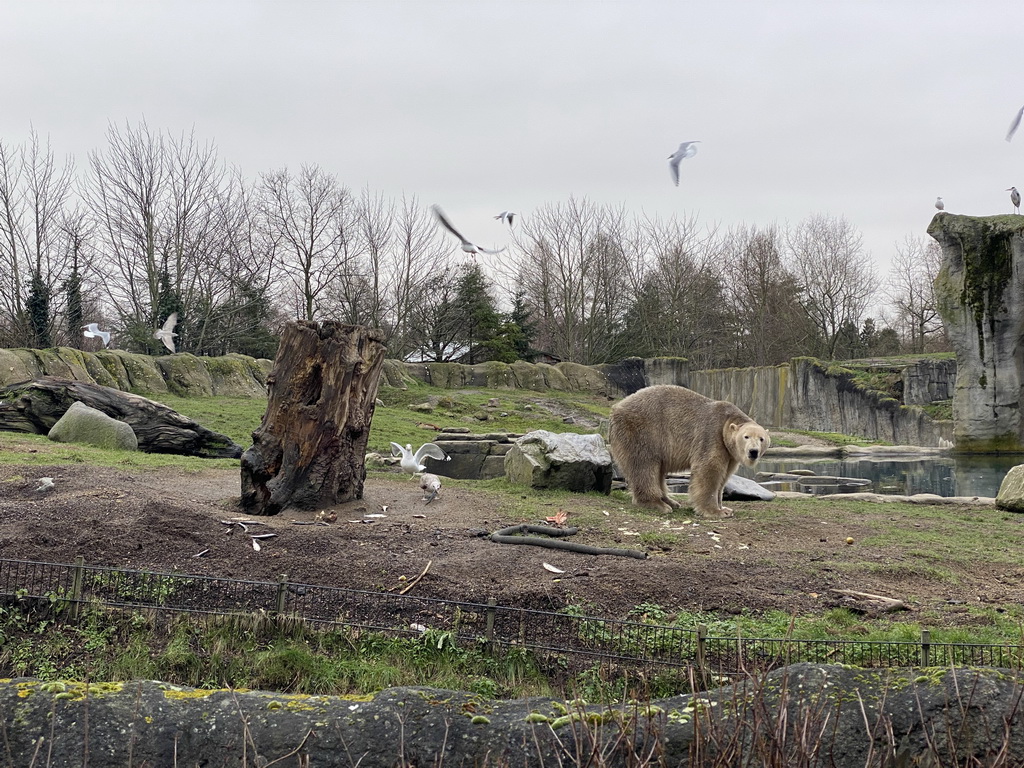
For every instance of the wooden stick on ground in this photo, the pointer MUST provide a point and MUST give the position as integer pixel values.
(412, 583)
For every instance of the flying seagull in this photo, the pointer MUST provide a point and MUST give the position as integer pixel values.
(431, 485)
(413, 462)
(167, 334)
(467, 246)
(939, 204)
(1015, 199)
(505, 216)
(686, 149)
(92, 331)
(1015, 124)
(45, 484)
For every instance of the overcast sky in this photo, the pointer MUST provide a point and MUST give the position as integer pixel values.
(867, 110)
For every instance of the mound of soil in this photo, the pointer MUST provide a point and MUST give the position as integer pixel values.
(162, 521)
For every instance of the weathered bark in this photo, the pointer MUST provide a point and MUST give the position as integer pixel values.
(310, 449)
(36, 405)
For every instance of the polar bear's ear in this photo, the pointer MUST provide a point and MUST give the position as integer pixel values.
(733, 426)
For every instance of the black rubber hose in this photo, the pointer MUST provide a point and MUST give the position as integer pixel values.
(511, 535)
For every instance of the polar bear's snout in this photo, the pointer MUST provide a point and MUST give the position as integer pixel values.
(754, 454)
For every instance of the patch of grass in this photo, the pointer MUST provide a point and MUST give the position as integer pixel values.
(38, 450)
(235, 417)
(524, 411)
(941, 410)
(257, 653)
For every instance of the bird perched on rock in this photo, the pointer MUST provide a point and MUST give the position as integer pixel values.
(166, 334)
(92, 331)
(45, 484)
(939, 204)
(686, 149)
(431, 485)
(1015, 199)
(413, 462)
(467, 246)
(505, 216)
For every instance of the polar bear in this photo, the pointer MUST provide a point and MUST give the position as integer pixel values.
(666, 428)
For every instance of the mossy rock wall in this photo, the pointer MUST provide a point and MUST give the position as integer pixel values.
(906, 713)
(182, 374)
(612, 380)
(807, 394)
(979, 293)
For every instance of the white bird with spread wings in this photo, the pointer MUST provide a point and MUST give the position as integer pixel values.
(686, 149)
(467, 246)
(92, 331)
(166, 334)
(413, 462)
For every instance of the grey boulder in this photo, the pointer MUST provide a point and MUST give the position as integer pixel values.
(564, 461)
(88, 426)
(1011, 490)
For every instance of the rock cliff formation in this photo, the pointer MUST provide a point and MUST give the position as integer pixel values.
(980, 295)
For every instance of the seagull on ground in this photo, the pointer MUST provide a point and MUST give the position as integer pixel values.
(92, 331)
(686, 149)
(166, 334)
(1015, 124)
(939, 204)
(467, 246)
(413, 462)
(506, 216)
(1015, 199)
(431, 485)
(45, 484)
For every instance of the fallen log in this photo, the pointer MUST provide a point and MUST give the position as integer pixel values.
(34, 406)
(882, 602)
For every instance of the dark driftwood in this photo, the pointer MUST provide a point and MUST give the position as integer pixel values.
(310, 449)
(36, 405)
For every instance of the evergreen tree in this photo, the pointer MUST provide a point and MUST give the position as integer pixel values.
(75, 312)
(480, 321)
(38, 308)
(168, 302)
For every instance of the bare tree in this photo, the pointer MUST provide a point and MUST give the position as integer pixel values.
(680, 304)
(154, 201)
(311, 217)
(837, 277)
(911, 292)
(770, 325)
(34, 193)
(572, 274)
(126, 194)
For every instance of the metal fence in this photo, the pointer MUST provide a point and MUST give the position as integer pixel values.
(72, 586)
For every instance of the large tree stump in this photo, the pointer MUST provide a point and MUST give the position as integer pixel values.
(35, 406)
(310, 449)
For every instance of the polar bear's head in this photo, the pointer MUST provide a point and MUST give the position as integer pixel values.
(748, 442)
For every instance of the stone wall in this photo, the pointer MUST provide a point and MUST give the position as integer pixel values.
(181, 374)
(803, 394)
(612, 380)
(979, 292)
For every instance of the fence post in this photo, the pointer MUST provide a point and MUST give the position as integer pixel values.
(926, 650)
(77, 585)
(282, 592)
(702, 633)
(489, 629)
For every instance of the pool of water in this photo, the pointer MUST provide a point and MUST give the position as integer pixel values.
(944, 475)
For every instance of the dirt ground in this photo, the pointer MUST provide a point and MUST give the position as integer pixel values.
(161, 520)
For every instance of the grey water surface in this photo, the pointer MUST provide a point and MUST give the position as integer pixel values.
(944, 475)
